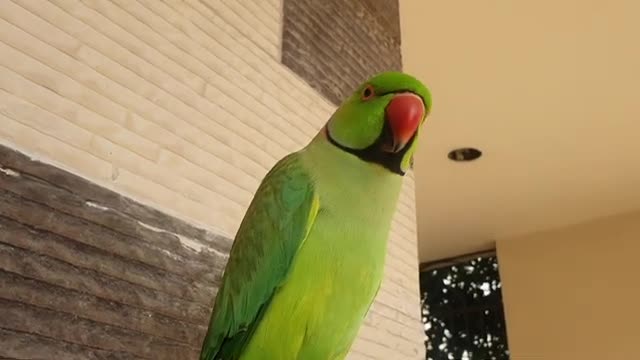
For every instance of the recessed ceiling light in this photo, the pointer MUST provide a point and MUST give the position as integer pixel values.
(464, 154)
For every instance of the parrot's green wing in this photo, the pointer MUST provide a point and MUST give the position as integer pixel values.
(275, 226)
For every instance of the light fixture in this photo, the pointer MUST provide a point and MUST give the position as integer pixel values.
(464, 154)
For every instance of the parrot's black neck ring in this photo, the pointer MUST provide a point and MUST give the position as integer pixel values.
(374, 153)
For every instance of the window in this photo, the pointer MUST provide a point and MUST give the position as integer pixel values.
(462, 309)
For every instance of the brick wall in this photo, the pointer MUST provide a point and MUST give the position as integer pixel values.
(334, 44)
(88, 274)
(183, 106)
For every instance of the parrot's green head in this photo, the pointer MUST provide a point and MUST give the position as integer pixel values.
(380, 122)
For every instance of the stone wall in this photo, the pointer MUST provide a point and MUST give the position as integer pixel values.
(86, 273)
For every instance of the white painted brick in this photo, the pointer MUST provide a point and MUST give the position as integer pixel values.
(199, 175)
(394, 335)
(160, 197)
(12, 36)
(216, 67)
(242, 73)
(355, 355)
(281, 81)
(15, 14)
(250, 138)
(124, 95)
(44, 98)
(169, 140)
(41, 146)
(269, 15)
(221, 8)
(259, 22)
(42, 121)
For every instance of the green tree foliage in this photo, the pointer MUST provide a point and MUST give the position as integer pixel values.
(462, 311)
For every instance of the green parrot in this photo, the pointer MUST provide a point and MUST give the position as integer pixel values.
(308, 257)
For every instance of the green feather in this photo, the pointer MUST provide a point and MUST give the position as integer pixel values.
(273, 229)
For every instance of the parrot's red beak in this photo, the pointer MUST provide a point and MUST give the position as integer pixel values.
(404, 114)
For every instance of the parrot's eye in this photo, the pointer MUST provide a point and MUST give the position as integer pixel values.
(368, 92)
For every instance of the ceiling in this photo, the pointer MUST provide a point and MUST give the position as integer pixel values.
(549, 91)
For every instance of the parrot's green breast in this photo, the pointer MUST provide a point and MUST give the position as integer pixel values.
(336, 273)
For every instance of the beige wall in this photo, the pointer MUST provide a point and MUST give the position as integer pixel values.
(184, 106)
(573, 293)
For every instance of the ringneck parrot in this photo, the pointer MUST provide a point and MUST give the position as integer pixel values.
(308, 257)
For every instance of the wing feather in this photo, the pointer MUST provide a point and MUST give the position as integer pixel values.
(275, 226)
